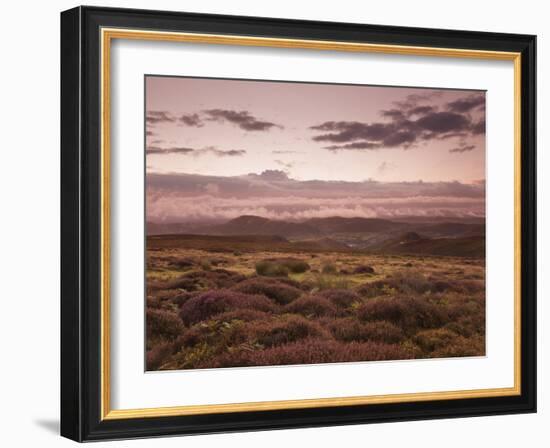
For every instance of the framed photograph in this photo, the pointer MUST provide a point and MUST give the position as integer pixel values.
(273, 223)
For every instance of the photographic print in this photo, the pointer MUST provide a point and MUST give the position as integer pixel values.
(252, 201)
(292, 223)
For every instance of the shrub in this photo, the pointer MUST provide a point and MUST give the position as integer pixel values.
(374, 289)
(170, 299)
(363, 269)
(181, 263)
(441, 286)
(271, 269)
(162, 324)
(408, 313)
(458, 286)
(158, 304)
(182, 297)
(158, 355)
(184, 282)
(468, 325)
(329, 268)
(309, 351)
(324, 282)
(243, 314)
(294, 265)
(304, 285)
(311, 306)
(411, 282)
(461, 346)
(430, 340)
(197, 280)
(217, 335)
(349, 329)
(473, 286)
(284, 330)
(215, 302)
(297, 266)
(271, 288)
(341, 297)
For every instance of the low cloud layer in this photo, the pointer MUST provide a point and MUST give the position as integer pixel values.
(272, 194)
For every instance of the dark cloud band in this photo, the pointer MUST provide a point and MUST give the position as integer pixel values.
(408, 124)
(242, 119)
(183, 150)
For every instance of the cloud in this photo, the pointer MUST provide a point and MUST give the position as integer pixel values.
(405, 126)
(169, 150)
(467, 104)
(355, 145)
(149, 133)
(271, 175)
(356, 135)
(193, 120)
(278, 183)
(272, 194)
(479, 127)
(242, 119)
(386, 166)
(212, 188)
(286, 152)
(159, 116)
(287, 165)
(421, 110)
(395, 114)
(411, 101)
(156, 150)
(443, 122)
(173, 208)
(463, 148)
(224, 153)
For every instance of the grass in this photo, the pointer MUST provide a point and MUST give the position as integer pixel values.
(256, 306)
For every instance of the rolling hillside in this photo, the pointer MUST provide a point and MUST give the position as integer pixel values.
(330, 234)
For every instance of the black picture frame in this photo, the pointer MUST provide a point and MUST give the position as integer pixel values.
(81, 224)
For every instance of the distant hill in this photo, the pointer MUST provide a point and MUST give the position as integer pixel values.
(311, 228)
(256, 225)
(413, 243)
(337, 224)
(455, 238)
(453, 229)
(243, 243)
(172, 228)
(322, 244)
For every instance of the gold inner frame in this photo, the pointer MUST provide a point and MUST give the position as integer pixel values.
(107, 35)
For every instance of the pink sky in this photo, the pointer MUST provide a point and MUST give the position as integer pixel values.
(209, 141)
(289, 146)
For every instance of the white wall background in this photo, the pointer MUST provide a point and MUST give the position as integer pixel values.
(29, 224)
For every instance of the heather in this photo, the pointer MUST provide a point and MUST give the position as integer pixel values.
(217, 309)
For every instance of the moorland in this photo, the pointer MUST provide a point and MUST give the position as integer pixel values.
(253, 291)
